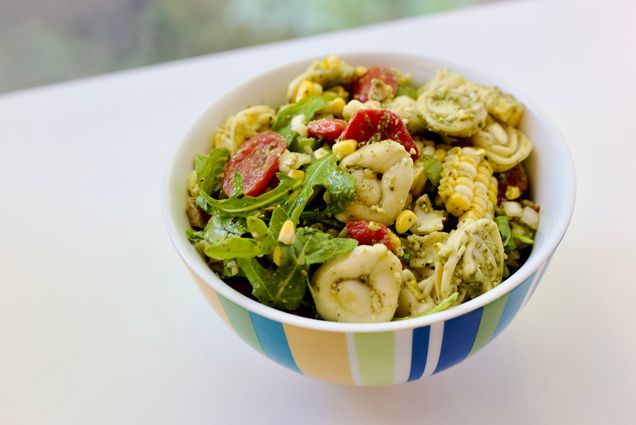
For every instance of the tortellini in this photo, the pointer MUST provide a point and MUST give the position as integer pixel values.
(471, 261)
(240, 127)
(416, 297)
(452, 111)
(361, 286)
(355, 105)
(505, 145)
(328, 72)
(428, 219)
(384, 173)
(406, 108)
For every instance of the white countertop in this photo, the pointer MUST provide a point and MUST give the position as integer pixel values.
(101, 324)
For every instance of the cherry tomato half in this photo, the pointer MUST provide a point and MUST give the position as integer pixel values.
(367, 233)
(326, 129)
(256, 161)
(368, 122)
(362, 86)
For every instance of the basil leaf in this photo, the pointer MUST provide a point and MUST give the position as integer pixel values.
(326, 173)
(210, 169)
(432, 169)
(247, 205)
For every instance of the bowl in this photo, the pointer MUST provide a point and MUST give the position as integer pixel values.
(376, 353)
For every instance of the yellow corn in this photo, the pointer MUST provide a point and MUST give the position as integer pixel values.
(395, 241)
(344, 148)
(440, 152)
(307, 88)
(466, 184)
(277, 255)
(485, 194)
(360, 70)
(296, 174)
(405, 220)
(287, 233)
(331, 62)
(335, 107)
(339, 91)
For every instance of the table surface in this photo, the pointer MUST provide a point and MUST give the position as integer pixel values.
(100, 323)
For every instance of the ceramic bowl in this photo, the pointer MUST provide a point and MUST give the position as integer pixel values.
(376, 353)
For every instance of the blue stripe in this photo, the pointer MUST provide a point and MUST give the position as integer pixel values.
(459, 337)
(513, 305)
(272, 337)
(419, 352)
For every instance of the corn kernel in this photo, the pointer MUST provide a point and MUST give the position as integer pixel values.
(287, 233)
(344, 148)
(296, 174)
(277, 255)
(395, 241)
(307, 88)
(335, 107)
(405, 220)
(360, 70)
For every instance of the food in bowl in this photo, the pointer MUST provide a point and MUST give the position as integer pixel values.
(368, 197)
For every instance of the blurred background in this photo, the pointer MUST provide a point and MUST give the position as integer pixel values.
(47, 41)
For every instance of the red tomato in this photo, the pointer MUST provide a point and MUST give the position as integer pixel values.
(362, 86)
(256, 161)
(368, 122)
(516, 176)
(326, 129)
(378, 233)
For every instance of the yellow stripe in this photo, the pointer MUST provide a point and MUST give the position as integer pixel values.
(319, 354)
(212, 297)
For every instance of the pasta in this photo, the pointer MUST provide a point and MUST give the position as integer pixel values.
(366, 198)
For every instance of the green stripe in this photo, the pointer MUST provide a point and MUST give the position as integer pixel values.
(374, 352)
(489, 320)
(240, 320)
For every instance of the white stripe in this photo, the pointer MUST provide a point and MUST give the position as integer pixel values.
(353, 359)
(403, 340)
(537, 277)
(435, 337)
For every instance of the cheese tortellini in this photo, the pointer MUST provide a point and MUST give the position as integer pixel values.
(384, 173)
(240, 127)
(505, 145)
(452, 111)
(361, 286)
(329, 72)
(471, 261)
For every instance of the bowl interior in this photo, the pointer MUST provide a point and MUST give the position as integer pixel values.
(549, 168)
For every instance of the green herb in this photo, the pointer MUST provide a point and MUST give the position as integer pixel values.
(286, 286)
(432, 169)
(237, 183)
(231, 248)
(326, 173)
(220, 227)
(210, 168)
(406, 89)
(526, 239)
(303, 144)
(247, 205)
(504, 230)
(194, 235)
(308, 107)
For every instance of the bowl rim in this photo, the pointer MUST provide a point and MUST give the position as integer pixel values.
(534, 262)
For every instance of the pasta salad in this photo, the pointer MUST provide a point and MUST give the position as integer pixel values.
(367, 197)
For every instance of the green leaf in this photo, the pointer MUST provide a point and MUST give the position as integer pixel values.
(432, 169)
(504, 230)
(445, 304)
(326, 173)
(247, 205)
(526, 239)
(307, 107)
(236, 247)
(286, 286)
(303, 144)
(220, 228)
(257, 227)
(210, 169)
(237, 185)
(194, 235)
(279, 216)
(314, 247)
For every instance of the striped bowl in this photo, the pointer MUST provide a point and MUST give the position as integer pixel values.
(376, 353)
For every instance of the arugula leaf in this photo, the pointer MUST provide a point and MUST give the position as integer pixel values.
(286, 286)
(432, 169)
(220, 228)
(303, 144)
(237, 190)
(279, 216)
(247, 205)
(314, 247)
(526, 239)
(504, 230)
(194, 235)
(307, 107)
(210, 169)
(326, 173)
